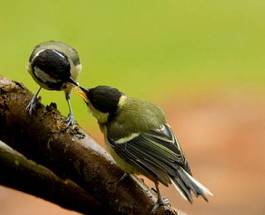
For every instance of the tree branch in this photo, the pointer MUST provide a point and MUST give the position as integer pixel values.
(19, 173)
(70, 153)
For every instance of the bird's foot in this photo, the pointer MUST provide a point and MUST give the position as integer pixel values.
(163, 201)
(70, 121)
(32, 106)
(160, 203)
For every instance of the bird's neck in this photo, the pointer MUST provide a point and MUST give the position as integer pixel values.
(102, 118)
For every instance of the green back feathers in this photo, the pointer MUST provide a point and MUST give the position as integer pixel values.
(135, 116)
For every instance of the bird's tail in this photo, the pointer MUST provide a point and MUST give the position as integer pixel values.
(186, 185)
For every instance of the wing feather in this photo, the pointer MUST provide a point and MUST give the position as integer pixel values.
(155, 153)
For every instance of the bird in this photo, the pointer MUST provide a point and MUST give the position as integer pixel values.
(141, 141)
(54, 65)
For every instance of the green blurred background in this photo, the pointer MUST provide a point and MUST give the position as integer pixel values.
(158, 46)
(169, 51)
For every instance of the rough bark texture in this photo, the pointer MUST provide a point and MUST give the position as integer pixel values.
(69, 153)
(22, 174)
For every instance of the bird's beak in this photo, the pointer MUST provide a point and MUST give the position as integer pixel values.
(82, 92)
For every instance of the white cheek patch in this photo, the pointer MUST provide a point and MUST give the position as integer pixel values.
(122, 100)
(78, 67)
(42, 76)
(75, 71)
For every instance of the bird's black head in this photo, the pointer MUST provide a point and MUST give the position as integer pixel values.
(103, 98)
(52, 62)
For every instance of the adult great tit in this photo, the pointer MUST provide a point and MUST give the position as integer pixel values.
(54, 65)
(141, 141)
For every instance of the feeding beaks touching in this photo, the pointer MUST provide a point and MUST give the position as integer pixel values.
(103, 101)
(103, 98)
(82, 92)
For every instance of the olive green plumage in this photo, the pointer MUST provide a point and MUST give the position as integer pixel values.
(135, 116)
(141, 141)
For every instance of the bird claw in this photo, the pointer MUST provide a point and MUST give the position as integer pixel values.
(163, 201)
(160, 203)
(70, 121)
(31, 107)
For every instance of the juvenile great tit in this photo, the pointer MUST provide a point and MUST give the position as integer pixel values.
(141, 141)
(54, 65)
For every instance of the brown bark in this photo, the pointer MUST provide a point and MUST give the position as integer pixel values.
(25, 175)
(69, 153)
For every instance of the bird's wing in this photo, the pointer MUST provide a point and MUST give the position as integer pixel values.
(155, 153)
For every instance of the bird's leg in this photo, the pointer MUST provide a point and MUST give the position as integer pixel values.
(70, 118)
(160, 200)
(31, 107)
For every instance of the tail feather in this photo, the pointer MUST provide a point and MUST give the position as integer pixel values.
(199, 189)
(182, 189)
(186, 185)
